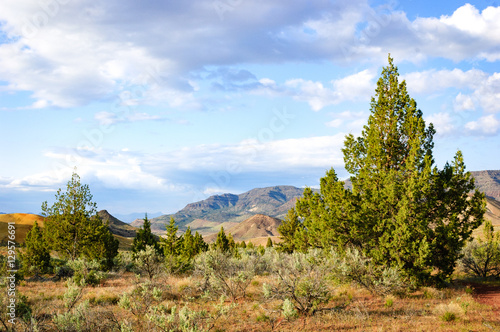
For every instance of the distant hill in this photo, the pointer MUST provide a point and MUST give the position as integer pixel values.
(271, 201)
(257, 226)
(488, 182)
(275, 201)
(24, 222)
(116, 226)
(130, 217)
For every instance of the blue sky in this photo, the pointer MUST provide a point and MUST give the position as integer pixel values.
(161, 103)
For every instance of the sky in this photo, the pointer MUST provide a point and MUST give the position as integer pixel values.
(158, 104)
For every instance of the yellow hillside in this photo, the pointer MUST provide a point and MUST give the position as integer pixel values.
(23, 222)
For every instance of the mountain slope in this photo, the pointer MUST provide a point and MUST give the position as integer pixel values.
(272, 201)
(257, 226)
(24, 222)
(488, 182)
(116, 226)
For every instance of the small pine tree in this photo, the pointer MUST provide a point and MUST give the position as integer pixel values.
(188, 245)
(269, 243)
(232, 244)
(289, 230)
(243, 244)
(73, 226)
(144, 237)
(171, 242)
(199, 243)
(36, 257)
(222, 242)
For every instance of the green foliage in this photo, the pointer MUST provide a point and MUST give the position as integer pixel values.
(222, 242)
(290, 230)
(482, 257)
(288, 309)
(74, 229)
(149, 262)
(36, 257)
(353, 266)
(143, 297)
(225, 275)
(302, 278)
(448, 316)
(180, 251)
(171, 242)
(144, 237)
(269, 243)
(86, 272)
(402, 211)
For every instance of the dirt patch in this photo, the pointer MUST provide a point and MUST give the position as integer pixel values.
(488, 294)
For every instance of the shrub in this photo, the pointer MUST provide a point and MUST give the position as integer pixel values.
(86, 272)
(124, 261)
(224, 274)
(149, 262)
(448, 316)
(301, 278)
(142, 297)
(185, 319)
(482, 257)
(353, 266)
(289, 310)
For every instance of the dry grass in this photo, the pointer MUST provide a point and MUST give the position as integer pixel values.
(350, 309)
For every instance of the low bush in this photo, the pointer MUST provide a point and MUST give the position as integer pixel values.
(353, 266)
(302, 278)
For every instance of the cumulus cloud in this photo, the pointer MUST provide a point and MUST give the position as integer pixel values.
(484, 88)
(354, 87)
(126, 169)
(72, 53)
(443, 123)
(485, 126)
(463, 103)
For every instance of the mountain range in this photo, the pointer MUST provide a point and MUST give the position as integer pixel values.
(226, 210)
(253, 214)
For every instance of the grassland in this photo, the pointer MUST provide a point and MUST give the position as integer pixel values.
(350, 308)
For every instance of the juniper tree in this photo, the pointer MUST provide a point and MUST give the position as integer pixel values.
(222, 242)
(171, 244)
(144, 237)
(269, 243)
(74, 228)
(402, 211)
(36, 257)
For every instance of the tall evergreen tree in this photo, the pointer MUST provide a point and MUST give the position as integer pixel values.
(144, 237)
(73, 227)
(171, 242)
(36, 257)
(199, 243)
(188, 244)
(402, 210)
(289, 230)
(222, 242)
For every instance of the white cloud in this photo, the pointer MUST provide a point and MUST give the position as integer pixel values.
(354, 87)
(109, 118)
(484, 126)
(463, 103)
(443, 123)
(126, 169)
(484, 88)
(335, 123)
(430, 81)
